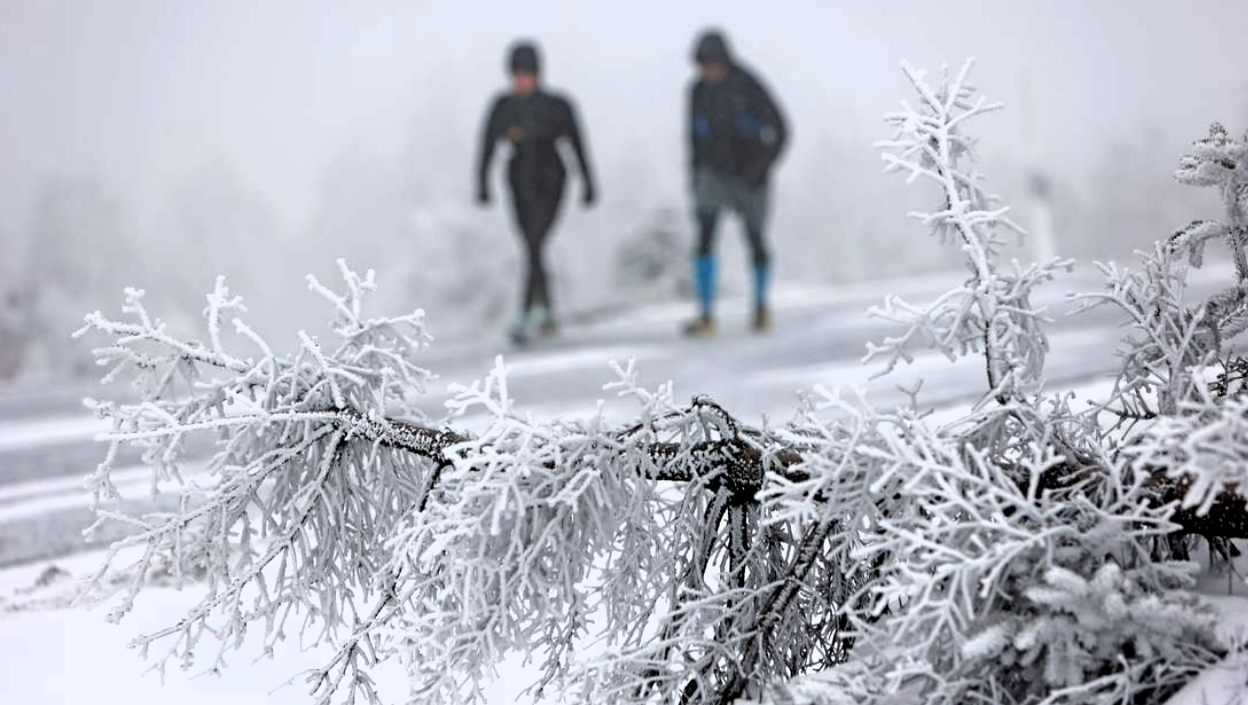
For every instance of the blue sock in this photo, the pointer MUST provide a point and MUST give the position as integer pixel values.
(762, 277)
(704, 282)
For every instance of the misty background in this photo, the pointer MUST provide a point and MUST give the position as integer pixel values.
(157, 144)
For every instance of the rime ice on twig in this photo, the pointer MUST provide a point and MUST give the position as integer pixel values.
(297, 434)
(991, 313)
(395, 537)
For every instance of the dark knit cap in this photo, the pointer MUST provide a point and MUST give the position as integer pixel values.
(712, 47)
(524, 58)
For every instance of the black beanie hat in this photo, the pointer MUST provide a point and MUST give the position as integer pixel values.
(524, 58)
(712, 46)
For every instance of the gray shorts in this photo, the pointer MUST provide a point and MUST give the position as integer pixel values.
(714, 192)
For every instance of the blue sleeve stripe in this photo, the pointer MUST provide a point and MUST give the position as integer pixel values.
(748, 125)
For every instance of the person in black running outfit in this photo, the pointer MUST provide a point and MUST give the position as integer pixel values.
(533, 121)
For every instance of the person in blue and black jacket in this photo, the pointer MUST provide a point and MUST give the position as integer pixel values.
(736, 135)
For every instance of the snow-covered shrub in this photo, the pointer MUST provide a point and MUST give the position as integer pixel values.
(14, 305)
(652, 262)
(477, 292)
(13, 332)
(1177, 405)
(370, 205)
(467, 547)
(1077, 625)
(1023, 559)
(77, 249)
(1022, 554)
(992, 312)
(964, 544)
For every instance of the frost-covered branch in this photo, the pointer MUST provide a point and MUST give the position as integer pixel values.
(297, 435)
(991, 313)
(1177, 400)
(1023, 554)
(329, 497)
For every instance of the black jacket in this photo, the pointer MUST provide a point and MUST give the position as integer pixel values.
(735, 128)
(533, 125)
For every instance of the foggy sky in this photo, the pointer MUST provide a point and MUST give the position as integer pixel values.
(143, 93)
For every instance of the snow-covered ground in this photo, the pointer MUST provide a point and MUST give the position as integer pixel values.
(818, 339)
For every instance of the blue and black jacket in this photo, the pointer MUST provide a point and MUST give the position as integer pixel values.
(735, 128)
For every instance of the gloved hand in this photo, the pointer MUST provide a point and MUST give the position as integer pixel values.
(589, 196)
